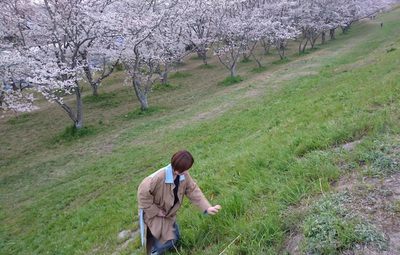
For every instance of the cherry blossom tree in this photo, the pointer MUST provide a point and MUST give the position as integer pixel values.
(56, 37)
(174, 40)
(283, 27)
(199, 18)
(243, 24)
(229, 41)
(239, 26)
(151, 39)
(13, 23)
(53, 42)
(309, 23)
(355, 10)
(316, 17)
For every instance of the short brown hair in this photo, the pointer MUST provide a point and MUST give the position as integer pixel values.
(182, 161)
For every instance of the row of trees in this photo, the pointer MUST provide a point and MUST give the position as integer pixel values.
(49, 45)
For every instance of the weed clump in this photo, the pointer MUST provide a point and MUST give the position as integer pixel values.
(230, 80)
(164, 87)
(259, 69)
(330, 228)
(139, 113)
(71, 133)
(208, 66)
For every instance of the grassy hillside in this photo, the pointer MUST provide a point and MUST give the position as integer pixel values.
(262, 147)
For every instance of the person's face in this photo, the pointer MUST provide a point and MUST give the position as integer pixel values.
(178, 173)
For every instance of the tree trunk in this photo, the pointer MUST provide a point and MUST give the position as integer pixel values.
(345, 29)
(79, 109)
(202, 53)
(312, 42)
(94, 89)
(164, 80)
(205, 61)
(258, 62)
(141, 95)
(245, 56)
(300, 45)
(323, 37)
(266, 45)
(303, 49)
(164, 75)
(281, 51)
(1, 98)
(332, 33)
(144, 105)
(311, 38)
(232, 69)
(103, 74)
(78, 119)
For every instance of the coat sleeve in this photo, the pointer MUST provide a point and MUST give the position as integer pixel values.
(146, 198)
(195, 195)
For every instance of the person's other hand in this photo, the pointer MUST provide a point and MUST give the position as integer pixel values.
(161, 213)
(213, 209)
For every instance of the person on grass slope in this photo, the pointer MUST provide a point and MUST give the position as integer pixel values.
(160, 196)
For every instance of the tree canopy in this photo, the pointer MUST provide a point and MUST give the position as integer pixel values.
(49, 45)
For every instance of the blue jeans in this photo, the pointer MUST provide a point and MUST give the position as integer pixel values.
(161, 248)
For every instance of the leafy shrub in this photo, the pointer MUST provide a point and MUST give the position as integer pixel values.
(230, 80)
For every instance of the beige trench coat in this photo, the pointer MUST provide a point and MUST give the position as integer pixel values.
(155, 192)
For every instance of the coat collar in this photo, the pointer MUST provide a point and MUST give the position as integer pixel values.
(169, 175)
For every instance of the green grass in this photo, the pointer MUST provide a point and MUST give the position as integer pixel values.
(180, 74)
(105, 100)
(282, 61)
(208, 66)
(261, 146)
(21, 118)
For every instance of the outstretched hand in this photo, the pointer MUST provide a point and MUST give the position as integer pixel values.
(213, 209)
